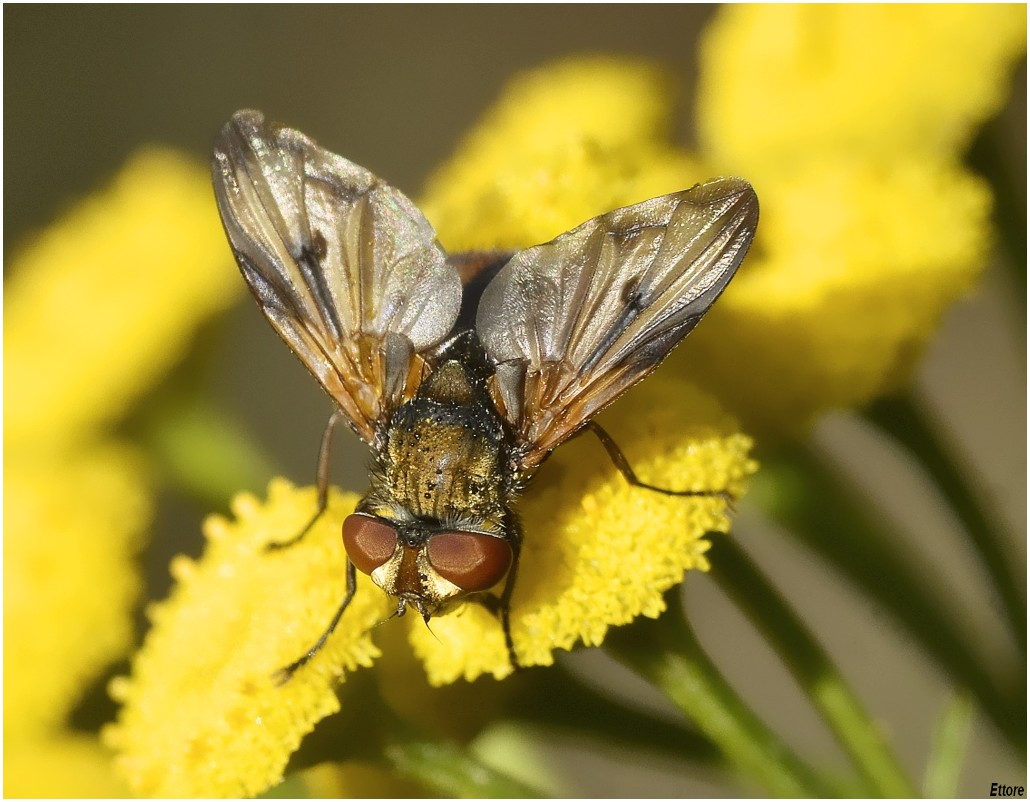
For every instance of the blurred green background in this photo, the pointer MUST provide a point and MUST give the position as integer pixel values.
(393, 88)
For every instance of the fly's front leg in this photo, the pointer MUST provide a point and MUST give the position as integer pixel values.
(620, 461)
(321, 482)
(501, 607)
(283, 675)
(505, 603)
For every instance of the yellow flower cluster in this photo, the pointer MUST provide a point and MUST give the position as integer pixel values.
(599, 553)
(870, 226)
(851, 122)
(202, 714)
(95, 310)
(780, 84)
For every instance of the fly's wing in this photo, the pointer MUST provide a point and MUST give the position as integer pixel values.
(573, 323)
(343, 265)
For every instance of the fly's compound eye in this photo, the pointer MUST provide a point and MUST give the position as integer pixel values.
(369, 541)
(470, 560)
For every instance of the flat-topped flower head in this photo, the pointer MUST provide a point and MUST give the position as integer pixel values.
(203, 714)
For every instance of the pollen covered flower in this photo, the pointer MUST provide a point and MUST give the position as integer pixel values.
(202, 713)
(103, 302)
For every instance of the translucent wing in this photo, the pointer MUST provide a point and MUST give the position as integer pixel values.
(573, 323)
(344, 266)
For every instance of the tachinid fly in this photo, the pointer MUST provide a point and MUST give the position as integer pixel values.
(462, 373)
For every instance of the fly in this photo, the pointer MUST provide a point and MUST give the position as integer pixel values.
(461, 373)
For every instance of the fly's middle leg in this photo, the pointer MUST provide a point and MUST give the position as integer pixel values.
(620, 462)
(321, 482)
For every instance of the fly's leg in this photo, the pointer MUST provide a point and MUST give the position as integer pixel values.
(620, 462)
(321, 481)
(501, 607)
(505, 603)
(282, 676)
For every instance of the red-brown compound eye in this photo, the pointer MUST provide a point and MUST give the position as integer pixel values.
(369, 541)
(470, 560)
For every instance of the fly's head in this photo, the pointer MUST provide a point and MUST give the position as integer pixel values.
(425, 565)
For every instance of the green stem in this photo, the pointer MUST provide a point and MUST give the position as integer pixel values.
(806, 494)
(666, 653)
(448, 769)
(949, 748)
(370, 731)
(811, 666)
(912, 425)
(556, 699)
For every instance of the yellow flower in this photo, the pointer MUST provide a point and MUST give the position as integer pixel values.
(103, 303)
(95, 310)
(781, 83)
(62, 766)
(870, 228)
(71, 530)
(597, 551)
(202, 715)
(850, 121)
(563, 144)
(854, 265)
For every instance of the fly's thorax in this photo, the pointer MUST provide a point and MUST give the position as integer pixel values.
(444, 455)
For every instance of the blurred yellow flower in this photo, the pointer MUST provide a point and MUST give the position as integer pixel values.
(854, 265)
(851, 122)
(782, 83)
(71, 530)
(563, 144)
(95, 310)
(102, 303)
(61, 766)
